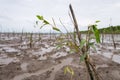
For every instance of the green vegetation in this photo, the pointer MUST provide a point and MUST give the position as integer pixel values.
(77, 44)
(116, 30)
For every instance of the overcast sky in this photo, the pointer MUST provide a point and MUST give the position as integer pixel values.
(16, 15)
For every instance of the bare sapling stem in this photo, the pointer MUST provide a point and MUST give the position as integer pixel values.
(75, 23)
(112, 35)
(79, 38)
(31, 40)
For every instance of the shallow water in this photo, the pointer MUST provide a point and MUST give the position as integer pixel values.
(24, 66)
(5, 61)
(43, 51)
(59, 54)
(10, 49)
(115, 58)
(103, 65)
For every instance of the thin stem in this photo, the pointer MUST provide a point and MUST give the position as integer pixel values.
(79, 38)
(96, 74)
(75, 23)
(89, 70)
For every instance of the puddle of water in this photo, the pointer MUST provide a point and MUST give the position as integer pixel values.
(112, 48)
(116, 73)
(103, 65)
(10, 38)
(59, 54)
(43, 51)
(110, 55)
(24, 66)
(56, 68)
(3, 56)
(67, 49)
(7, 60)
(2, 45)
(46, 45)
(9, 49)
(107, 54)
(116, 58)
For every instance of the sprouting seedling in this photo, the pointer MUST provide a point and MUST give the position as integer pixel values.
(83, 46)
(45, 22)
(68, 69)
(95, 31)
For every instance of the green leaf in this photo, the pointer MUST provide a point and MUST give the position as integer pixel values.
(40, 17)
(96, 33)
(72, 51)
(59, 46)
(56, 29)
(73, 46)
(92, 45)
(97, 21)
(42, 26)
(92, 37)
(65, 70)
(69, 70)
(82, 43)
(46, 22)
(74, 34)
(82, 57)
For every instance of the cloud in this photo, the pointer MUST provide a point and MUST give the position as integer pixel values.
(15, 13)
(5, 18)
(117, 5)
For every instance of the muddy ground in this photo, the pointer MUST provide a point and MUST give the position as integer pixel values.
(44, 62)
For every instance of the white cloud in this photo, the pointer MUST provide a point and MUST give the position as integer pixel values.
(117, 5)
(15, 13)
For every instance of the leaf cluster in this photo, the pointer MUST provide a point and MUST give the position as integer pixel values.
(45, 22)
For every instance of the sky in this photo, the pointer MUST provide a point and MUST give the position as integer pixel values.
(20, 15)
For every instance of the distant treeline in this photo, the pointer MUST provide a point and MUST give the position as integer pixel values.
(108, 30)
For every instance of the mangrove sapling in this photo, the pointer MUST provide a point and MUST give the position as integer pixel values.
(8, 35)
(21, 37)
(13, 33)
(112, 36)
(31, 40)
(84, 49)
(112, 33)
(103, 35)
(50, 34)
(26, 34)
(39, 37)
(79, 45)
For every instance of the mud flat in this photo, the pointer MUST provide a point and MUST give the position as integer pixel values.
(44, 62)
